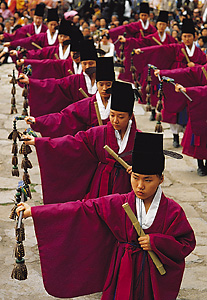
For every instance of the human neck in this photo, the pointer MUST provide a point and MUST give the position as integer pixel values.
(105, 100)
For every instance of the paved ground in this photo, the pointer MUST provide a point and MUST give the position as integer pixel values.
(181, 183)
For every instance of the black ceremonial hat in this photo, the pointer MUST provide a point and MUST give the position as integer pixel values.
(88, 50)
(163, 16)
(39, 10)
(52, 15)
(144, 8)
(105, 69)
(188, 26)
(65, 27)
(122, 98)
(147, 156)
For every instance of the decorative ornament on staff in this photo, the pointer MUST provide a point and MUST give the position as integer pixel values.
(20, 270)
(13, 81)
(27, 71)
(133, 70)
(121, 59)
(148, 89)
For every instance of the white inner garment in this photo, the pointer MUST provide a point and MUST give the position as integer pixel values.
(66, 54)
(51, 39)
(104, 111)
(122, 143)
(77, 68)
(145, 27)
(91, 89)
(37, 30)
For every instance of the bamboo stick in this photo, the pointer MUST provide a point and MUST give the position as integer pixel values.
(83, 93)
(156, 41)
(186, 56)
(70, 72)
(116, 157)
(37, 46)
(98, 113)
(140, 232)
(28, 34)
(204, 72)
(56, 56)
(142, 33)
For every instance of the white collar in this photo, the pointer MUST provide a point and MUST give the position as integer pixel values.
(66, 54)
(91, 89)
(190, 52)
(163, 37)
(145, 27)
(77, 68)
(122, 143)
(52, 39)
(146, 219)
(37, 30)
(104, 112)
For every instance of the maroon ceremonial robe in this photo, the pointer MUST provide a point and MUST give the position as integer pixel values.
(195, 138)
(83, 157)
(132, 30)
(45, 53)
(52, 95)
(92, 246)
(79, 116)
(40, 39)
(50, 68)
(23, 32)
(135, 43)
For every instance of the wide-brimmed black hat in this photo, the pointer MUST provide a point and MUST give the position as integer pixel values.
(144, 8)
(88, 50)
(52, 15)
(188, 26)
(105, 69)
(40, 9)
(163, 16)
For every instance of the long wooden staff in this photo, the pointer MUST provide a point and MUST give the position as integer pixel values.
(83, 93)
(156, 41)
(56, 56)
(142, 33)
(37, 46)
(28, 34)
(98, 113)
(186, 56)
(204, 72)
(171, 80)
(70, 72)
(116, 157)
(140, 232)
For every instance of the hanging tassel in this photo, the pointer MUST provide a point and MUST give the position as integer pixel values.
(121, 70)
(13, 214)
(158, 127)
(26, 163)
(20, 234)
(24, 112)
(14, 135)
(25, 104)
(159, 106)
(13, 100)
(15, 148)
(14, 160)
(20, 270)
(25, 149)
(13, 90)
(25, 92)
(15, 171)
(158, 117)
(26, 178)
(133, 69)
(13, 110)
(19, 251)
(29, 193)
(148, 88)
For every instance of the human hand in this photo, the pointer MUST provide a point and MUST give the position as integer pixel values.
(122, 39)
(179, 87)
(20, 62)
(7, 44)
(30, 120)
(129, 170)
(13, 52)
(190, 64)
(144, 242)
(157, 72)
(137, 51)
(22, 206)
(28, 139)
(23, 78)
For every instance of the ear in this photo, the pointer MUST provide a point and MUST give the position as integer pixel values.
(161, 179)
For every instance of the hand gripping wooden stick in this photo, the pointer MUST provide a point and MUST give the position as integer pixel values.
(140, 232)
(98, 113)
(156, 41)
(116, 157)
(186, 56)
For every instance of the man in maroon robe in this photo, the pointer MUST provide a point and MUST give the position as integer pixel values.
(36, 27)
(44, 39)
(195, 138)
(92, 246)
(81, 115)
(84, 156)
(52, 95)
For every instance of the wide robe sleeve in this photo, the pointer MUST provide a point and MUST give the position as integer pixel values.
(27, 42)
(76, 117)
(76, 252)
(67, 165)
(50, 95)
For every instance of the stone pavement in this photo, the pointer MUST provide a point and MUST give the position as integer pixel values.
(181, 183)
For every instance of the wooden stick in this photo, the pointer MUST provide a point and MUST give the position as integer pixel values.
(56, 56)
(83, 93)
(98, 113)
(156, 41)
(186, 56)
(37, 46)
(140, 232)
(70, 72)
(204, 72)
(116, 157)
(28, 34)
(142, 33)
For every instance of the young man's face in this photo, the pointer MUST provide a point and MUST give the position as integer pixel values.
(187, 39)
(102, 87)
(88, 64)
(161, 26)
(62, 38)
(52, 26)
(37, 20)
(143, 17)
(119, 119)
(145, 186)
